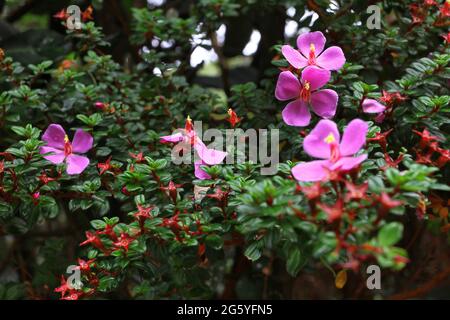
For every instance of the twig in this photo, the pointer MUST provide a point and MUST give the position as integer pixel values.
(424, 288)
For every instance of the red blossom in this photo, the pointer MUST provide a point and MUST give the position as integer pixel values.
(171, 189)
(430, 3)
(387, 202)
(446, 37)
(139, 157)
(355, 192)
(392, 98)
(94, 240)
(381, 139)
(123, 242)
(418, 14)
(314, 191)
(233, 119)
(87, 14)
(63, 288)
(445, 9)
(425, 138)
(106, 166)
(61, 15)
(85, 266)
(334, 212)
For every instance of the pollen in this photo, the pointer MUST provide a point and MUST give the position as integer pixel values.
(312, 47)
(330, 138)
(66, 138)
(307, 85)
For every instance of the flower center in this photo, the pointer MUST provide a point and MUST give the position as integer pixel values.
(67, 146)
(334, 147)
(305, 93)
(312, 54)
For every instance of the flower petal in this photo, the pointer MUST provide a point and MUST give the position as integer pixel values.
(209, 156)
(354, 137)
(294, 57)
(174, 138)
(54, 136)
(305, 40)
(316, 77)
(296, 113)
(348, 163)
(372, 106)
(324, 103)
(76, 164)
(82, 141)
(288, 86)
(198, 172)
(315, 144)
(311, 171)
(55, 156)
(331, 59)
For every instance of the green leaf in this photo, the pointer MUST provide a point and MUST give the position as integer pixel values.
(390, 234)
(293, 263)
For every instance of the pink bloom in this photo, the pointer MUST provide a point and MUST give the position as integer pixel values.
(310, 53)
(187, 136)
(305, 92)
(60, 149)
(372, 106)
(324, 142)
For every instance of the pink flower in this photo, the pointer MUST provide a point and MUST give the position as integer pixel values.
(324, 142)
(372, 106)
(305, 92)
(187, 136)
(60, 149)
(310, 53)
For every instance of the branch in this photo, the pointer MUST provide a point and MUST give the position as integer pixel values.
(437, 280)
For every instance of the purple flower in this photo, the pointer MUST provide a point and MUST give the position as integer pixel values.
(310, 53)
(60, 149)
(324, 142)
(305, 92)
(207, 156)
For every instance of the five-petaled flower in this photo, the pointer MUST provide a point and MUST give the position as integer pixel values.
(60, 149)
(311, 53)
(187, 137)
(324, 142)
(305, 92)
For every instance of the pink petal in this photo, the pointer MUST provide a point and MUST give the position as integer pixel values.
(324, 103)
(82, 141)
(316, 77)
(315, 145)
(311, 171)
(174, 138)
(57, 156)
(76, 164)
(348, 163)
(209, 156)
(354, 137)
(54, 136)
(199, 173)
(331, 59)
(296, 113)
(372, 106)
(294, 57)
(288, 86)
(305, 40)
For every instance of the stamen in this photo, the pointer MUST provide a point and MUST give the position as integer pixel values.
(330, 138)
(305, 93)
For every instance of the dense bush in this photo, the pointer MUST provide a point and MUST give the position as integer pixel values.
(106, 197)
